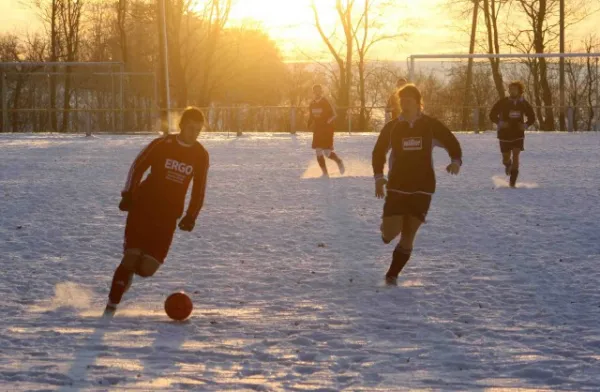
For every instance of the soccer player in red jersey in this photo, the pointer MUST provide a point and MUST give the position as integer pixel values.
(156, 203)
(321, 121)
(392, 108)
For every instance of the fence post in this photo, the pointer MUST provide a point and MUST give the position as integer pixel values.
(570, 118)
(293, 120)
(238, 120)
(4, 103)
(121, 97)
(113, 99)
(349, 115)
(88, 131)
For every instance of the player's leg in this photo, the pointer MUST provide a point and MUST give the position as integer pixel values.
(321, 160)
(334, 157)
(514, 173)
(156, 247)
(135, 232)
(392, 218)
(123, 276)
(416, 207)
(505, 150)
(404, 248)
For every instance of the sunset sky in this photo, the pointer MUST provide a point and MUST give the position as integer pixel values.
(429, 26)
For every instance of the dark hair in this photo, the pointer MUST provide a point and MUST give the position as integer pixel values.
(518, 84)
(410, 90)
(191, 114)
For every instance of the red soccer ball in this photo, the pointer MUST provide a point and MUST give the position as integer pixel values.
(178, 306)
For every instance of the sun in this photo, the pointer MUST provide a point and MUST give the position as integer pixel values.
(291, 24)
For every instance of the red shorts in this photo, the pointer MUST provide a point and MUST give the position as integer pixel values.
(150, 232)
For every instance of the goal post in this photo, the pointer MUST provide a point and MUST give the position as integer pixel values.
(581, 110)
(76, 97)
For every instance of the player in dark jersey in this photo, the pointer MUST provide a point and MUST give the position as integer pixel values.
(509, 115)
(392, 108)
(155, 204)
(321, 121)
(411, 178)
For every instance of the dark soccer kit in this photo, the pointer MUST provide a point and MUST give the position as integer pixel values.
(322, 118)
(158, 200)
(512, 112)
(411, 179)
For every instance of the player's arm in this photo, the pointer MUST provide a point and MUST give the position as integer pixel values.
(198, 191)
(379, 157)
(530, 114)
(389, 106)
(495, 112)
(139, 166)
(332, 113)
(311, 119)
(443, 137)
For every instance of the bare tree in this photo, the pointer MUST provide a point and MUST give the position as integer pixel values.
(342, 55)
(122, 9)
(214, 17)
(540, 36)
(367, 32)
(467, 97)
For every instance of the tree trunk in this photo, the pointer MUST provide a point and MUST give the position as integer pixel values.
(533, 66)
(491, 22)
(469, 82)
(363, 120)
(53, 58)
(162, 86)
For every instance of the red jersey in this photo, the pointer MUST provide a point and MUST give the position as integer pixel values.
(173, 165)
(322, 115)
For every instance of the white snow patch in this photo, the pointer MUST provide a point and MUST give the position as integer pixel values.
(354, 168)
(502, 182)
(66, 295)
(286, 275)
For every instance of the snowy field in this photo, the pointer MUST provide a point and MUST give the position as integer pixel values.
(502, 292)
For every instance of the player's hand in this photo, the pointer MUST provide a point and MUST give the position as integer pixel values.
(187, 223)
(380, 184)
(126, 202)
(453, 168)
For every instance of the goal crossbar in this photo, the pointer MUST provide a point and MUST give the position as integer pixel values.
(411, 59)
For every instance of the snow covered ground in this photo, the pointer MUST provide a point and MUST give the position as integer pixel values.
(285, 270)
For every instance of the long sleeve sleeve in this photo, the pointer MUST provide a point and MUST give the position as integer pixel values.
(311, 119)
(444, 138)
(530, 114)
(141, 163)
(199, 186)
(382, 146)
(332, 113)
(495, 113)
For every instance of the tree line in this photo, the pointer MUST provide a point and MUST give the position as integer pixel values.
(214, 62)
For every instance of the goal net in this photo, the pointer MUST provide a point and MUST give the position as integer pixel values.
(463, 102)
(84, 97)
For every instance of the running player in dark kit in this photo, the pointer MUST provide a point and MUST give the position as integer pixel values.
(411, 178)
(509, 115)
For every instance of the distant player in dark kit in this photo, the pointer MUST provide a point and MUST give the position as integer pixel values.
(509, 115)
(411, 178)
(155, 204)
(322, 122)
(392, 109)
